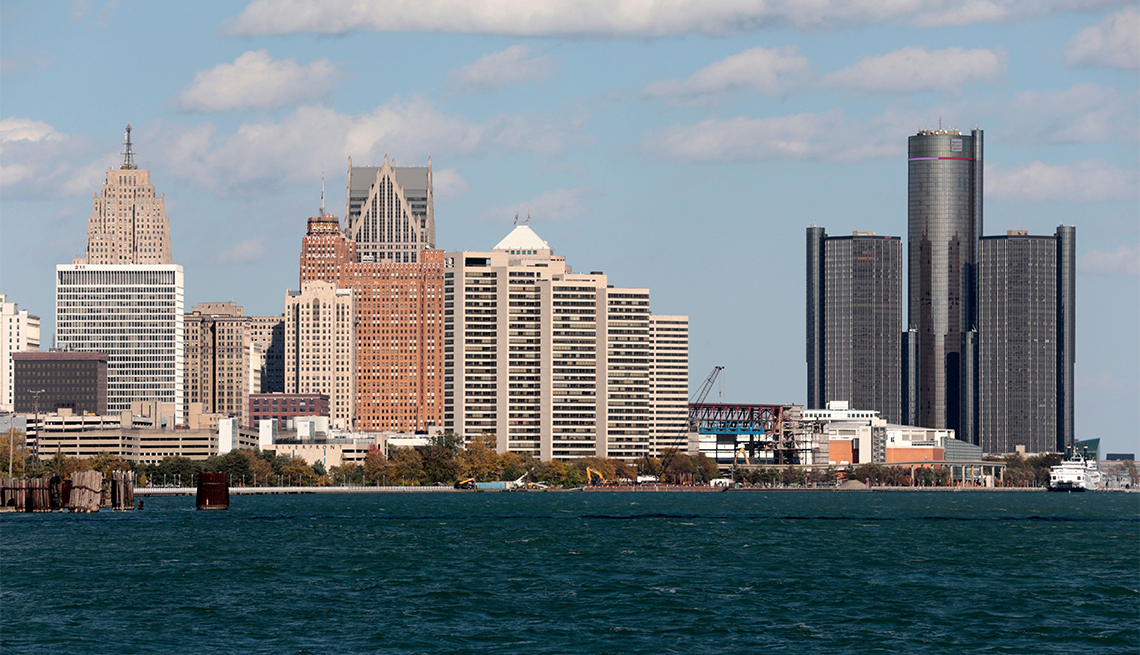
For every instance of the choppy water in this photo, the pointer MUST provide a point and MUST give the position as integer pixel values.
(581, 572)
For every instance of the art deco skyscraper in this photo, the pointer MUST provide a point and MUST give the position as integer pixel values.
(854, 314)
(389, 213)
(128, 223)
(944, 223)
(1026, 309)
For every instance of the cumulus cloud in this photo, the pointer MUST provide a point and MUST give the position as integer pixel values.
(1082, 114)
(310, 139)
(623, 18)
(245, 252)
(551, 205)
(825, 137)
(1124, 261)
(1086, 181)
(770, 71)
(257, 81)
(1113, 43)
(492, 72)
(448, 183)
(36, 160)
(915, 68)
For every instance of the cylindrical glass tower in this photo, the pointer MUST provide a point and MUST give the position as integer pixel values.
(944, 222)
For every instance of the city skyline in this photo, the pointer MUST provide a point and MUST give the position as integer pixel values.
(658, 172)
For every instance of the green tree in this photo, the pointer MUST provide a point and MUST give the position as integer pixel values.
(706, 469)
(374, 466)
(440, 464)
(406, 466)
(480, 460)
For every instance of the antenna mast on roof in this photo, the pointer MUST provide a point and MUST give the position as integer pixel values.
(322, 193)
(527, 218)
(128, 154)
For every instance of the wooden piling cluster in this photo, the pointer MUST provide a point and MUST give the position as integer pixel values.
(122, 490)
(26, 494)
(86, 491)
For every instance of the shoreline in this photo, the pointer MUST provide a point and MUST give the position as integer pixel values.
(159, 492)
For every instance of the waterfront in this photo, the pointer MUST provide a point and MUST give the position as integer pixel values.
(593, 573)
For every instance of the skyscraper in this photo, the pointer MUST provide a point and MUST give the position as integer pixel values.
(1026, 303)
(128, 223)
(222, 365)
(320, 347)
(944, 224)
(389, 213)
(19, 332)
(854, 314)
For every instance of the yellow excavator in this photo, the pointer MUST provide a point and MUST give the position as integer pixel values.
(741, 451)
(591, 474)
(469, 483)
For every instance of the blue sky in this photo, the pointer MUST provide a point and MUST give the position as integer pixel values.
(679, 146)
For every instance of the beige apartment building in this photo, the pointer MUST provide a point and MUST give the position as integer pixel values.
(320, 347)
(670, 337)
(19, 332)
(128, 223)
(555, 364)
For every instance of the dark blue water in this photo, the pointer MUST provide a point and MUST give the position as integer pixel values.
(581, 572)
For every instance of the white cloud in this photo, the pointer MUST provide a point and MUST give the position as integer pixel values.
(1125, 261)
(492, 72)
(915, 68)
(826, 137)
(244, 253)
(1113, 43)
(1086, 181)
(448, 183)
(257, 81)
(310, 139)
(37, 160)
(1082, 114)
(770, 71)
(624, 18)
(552, 205)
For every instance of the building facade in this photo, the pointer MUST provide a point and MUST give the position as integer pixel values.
(52, 381)
(555, 364)
(399, 327)
(128, 223)
(389, 213)
(854, 321)
(19, 332)
(268, 336)
(944, 216)
(284, 406)
(223, 366)
(670, 338)
(134, 314)
(1026, 300)
(320, 347)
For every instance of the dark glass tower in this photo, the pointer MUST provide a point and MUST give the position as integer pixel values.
(944, 215)
(1026, 302)
(854, 314)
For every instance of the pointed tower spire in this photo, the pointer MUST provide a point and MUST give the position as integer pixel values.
(128, 154)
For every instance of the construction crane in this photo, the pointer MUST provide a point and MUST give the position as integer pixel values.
(698, 399)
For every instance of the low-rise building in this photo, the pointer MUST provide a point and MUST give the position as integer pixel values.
(45, 382)
(285, 406)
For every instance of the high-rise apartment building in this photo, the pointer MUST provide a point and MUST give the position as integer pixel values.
(670, 338)
(1025, 340)
(854, 314)
(389, 213)
(555, 364)
(320, 347)
(134, 314)
(399, 327)
(220, 359)
(19, 332)
(128, 223)
(944, 218)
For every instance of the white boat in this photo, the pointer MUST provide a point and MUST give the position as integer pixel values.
(1075, 474)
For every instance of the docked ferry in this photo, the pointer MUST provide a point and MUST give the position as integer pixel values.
(1075, 474)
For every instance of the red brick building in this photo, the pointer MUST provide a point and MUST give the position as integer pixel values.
(284, 406)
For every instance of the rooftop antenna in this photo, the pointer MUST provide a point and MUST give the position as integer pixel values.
(516, 218)
(939, 122)
(322, 193)
(527, 218)
(128, 154)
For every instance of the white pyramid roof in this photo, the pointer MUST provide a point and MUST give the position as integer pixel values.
(522, 238)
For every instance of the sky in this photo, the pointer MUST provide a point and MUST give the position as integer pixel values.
(682, 146)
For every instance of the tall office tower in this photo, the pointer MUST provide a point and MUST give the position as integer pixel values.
(128, 223)
(1025, 338)
(555, 364)
(320, 346)
(944, 223)
(389, 213)
(854, 321)
(19, 332)
(134, 314)
(670, 338)
(399, 327)
(219, 359)
(268, 334)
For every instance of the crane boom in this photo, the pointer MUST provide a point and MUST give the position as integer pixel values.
(702, 393)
